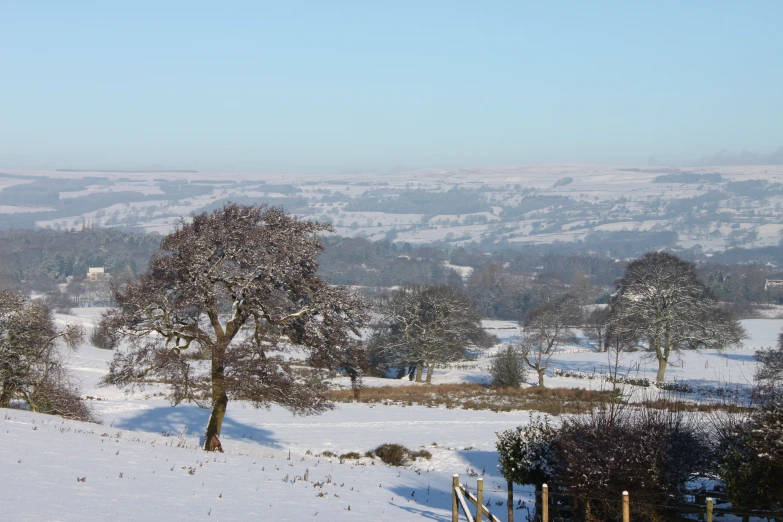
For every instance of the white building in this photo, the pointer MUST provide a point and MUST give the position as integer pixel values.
(95, 274)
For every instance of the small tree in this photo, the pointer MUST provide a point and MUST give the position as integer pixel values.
(508, 369)
(662, 301)
(526, 455)
(30, 368)
(235, 288)
(545, 329)
(424, 325)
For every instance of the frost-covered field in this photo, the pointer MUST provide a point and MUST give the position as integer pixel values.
(144, 462)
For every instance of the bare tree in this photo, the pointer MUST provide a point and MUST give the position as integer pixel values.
(424, 325)
(545, 329)
(236, 288)
(31, 370)
(662, 301)
(595, 327)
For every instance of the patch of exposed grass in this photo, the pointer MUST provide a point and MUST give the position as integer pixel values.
(666, 404)
(554, 401)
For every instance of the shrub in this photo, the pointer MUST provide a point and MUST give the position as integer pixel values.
(421, 454)
(32, 373)
(351, 455)
(649, 453)
(328, 453)
(102, 337)
(393, 454)
(526, 453)
(508, 368)
(750, 448)
(56, 397)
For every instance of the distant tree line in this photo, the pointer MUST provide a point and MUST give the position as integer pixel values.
(39, 259)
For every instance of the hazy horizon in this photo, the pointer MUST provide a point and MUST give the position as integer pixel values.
(309, 87)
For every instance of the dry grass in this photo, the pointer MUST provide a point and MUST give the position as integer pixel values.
(554, 401)
(664, 404)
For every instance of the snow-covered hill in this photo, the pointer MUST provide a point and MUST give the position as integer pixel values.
(714, 207)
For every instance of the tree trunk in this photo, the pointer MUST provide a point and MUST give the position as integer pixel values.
(219, 403)
(541, 376)
(601, 344)
(5, 397)
(429, 373)
(6, 392)
(419, 368)
(662, 362)
(510, 500)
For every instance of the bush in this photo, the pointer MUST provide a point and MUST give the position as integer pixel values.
(351, 455)
(55, 397)
(328, 454)
(508, 368)
(750, 448)
(393, 454)
(527, 453)
(421, 454)
(32, 374)
(649, 453)
(102, 337)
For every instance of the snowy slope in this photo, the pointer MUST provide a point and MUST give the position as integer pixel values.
(144, 462)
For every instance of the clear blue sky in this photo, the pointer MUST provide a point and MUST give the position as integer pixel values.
(324, 86)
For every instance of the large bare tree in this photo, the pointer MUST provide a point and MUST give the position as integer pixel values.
(662, 301)
(224, 298)
(424, 325)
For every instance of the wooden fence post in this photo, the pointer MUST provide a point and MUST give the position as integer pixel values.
(479, 498)
(544, 503)
(709, 509)
(626, 507)
(454, 506)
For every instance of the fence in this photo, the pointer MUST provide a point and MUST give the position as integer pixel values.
(561, 507)
(458, 500)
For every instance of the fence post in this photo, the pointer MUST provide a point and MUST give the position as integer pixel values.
(626, 507)
(454, 506)
(709, 509)
(479, 498)
(544, 503)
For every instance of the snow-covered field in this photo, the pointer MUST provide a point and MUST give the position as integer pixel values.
(144, 461)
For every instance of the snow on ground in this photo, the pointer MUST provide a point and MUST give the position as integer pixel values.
(145, 462)
(9, 209)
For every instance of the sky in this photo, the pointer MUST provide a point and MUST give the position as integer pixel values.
(325, 87)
